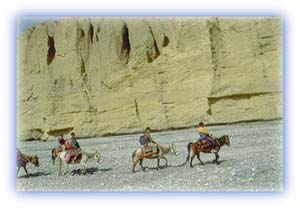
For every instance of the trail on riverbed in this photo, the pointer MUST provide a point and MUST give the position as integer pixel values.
(253, 162)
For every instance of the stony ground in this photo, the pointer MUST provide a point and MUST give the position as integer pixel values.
(253, 162)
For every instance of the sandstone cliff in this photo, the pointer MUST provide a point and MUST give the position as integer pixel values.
(100, 76)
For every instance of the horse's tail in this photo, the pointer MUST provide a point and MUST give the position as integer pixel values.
(189, 151)
(53, 156)
(133, 155)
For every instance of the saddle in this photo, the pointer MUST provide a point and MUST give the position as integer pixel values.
(148, 152)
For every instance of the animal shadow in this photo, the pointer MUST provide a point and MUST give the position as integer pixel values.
(105, 169)
(89, 171)
(210, 162)
(37, 174)
(147, 168)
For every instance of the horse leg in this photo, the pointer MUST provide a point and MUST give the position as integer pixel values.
(134, 164)
(187, 159)
(26, 170)
(191, 163)
(55, 157)
(53, 154)
(163, 157)
(60, 164)
(217, 157)
(198, 156)
(84, 170)
(67, 169)
(18, 170)
(141, 164)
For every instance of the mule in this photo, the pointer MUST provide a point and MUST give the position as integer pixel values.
(86, 155)
(196, 149)
(139, 155)
(23, 159)
(54, 153)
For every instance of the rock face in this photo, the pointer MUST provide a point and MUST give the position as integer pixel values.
(101, 76)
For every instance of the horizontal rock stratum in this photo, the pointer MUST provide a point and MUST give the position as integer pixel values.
(117, 75)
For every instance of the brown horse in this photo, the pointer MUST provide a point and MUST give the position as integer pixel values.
(141, 153)
(196, 149)
(23, 159)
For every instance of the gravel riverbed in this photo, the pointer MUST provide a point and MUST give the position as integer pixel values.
(252, 163)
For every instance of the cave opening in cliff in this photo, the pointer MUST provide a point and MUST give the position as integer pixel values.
(125, 49)
(91, 33)
(166, 41)
(51, 50)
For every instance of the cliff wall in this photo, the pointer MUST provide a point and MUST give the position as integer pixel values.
(99, 76)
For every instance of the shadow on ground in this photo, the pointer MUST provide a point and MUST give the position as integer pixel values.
(184, 165)
(208, 163)
(89, 171)
(37, 174)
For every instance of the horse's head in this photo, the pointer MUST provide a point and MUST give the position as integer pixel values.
(173, 149)
(35, 160)
(227, 142)
(97, 157)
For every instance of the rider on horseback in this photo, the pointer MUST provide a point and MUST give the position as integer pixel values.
(73, 147)
(61, 143)
(204, 134)
(150, 142)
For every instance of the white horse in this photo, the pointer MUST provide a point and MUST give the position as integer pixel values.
(86, 155)
(139, 155)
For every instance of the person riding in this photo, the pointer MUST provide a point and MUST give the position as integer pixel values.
(204, 134)
(61, 143)
(73, 147)
(150, 142)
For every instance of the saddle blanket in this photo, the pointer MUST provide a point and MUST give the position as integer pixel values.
(204, 144)
(148, 152)
(70, 157)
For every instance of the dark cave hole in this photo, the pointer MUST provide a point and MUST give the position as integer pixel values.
(166, 41)
(51, 50)
(125, 49)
